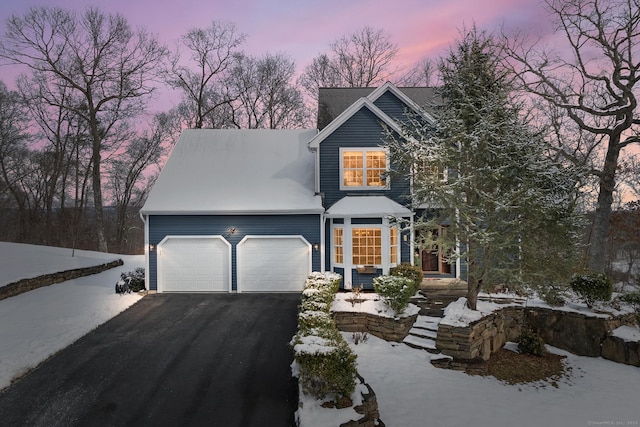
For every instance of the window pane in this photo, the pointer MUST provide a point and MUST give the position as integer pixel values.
(367, 249)
(352, 178)
(337, 245)
(393, 249)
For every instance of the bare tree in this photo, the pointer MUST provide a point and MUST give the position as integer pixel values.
(595, 87)
(14, 153)
(423, 73)
(129, 171)
(201, 77)
(267, 95)
(109, 67)
(360, 59)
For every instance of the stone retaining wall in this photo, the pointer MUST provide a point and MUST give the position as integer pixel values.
(382, 327)
(575, 332)
(618, 350)
(481, 338)
(25, 285)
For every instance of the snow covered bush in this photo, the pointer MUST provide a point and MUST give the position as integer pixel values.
(531, 343)
(395, 291)
(592, 286)
(410, 272)
(134, 279)
(326, 365)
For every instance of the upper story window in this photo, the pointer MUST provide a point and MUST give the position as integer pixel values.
(363, 168)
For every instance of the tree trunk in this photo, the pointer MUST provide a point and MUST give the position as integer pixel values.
(602, 217)
(97, 198)
(473, 289)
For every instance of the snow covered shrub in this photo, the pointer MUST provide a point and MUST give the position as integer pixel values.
(312, 320)
(134, 279)
(326, 364)
(410, 272)
(531, 343)
(327, 367)
(592, 286)
(395, 291)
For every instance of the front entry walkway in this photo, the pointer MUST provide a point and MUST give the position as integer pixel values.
(170, 360)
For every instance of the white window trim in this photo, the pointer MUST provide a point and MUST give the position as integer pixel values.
(347, 245)
(364, 150)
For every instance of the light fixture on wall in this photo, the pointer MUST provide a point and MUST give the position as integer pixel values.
(232, 230)
(316, 247)
(152, 247)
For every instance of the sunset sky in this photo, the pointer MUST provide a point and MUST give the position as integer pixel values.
(304, 28)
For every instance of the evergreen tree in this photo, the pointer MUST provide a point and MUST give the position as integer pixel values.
(509, 207)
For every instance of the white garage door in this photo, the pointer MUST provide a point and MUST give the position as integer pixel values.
(273, 263)
(194, 264)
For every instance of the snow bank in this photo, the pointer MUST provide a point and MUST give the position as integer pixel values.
(370, 303)
(627, 333)
(19, 261)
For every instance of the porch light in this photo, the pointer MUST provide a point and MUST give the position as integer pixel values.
(152, 247)
(232, 230)
(316, 247)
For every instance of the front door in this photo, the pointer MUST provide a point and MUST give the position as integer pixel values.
(432, 258)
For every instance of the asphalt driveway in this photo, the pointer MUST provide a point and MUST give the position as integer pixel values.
(170, 360)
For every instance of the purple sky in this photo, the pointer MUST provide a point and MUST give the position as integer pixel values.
(304, 28)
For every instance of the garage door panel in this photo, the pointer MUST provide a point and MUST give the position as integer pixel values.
(189, 264)
(273, 264)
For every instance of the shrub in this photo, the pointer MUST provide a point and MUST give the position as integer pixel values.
(395, 291)
(531, 343)
(592, 287)
(410, 272)
(326, 364)
(327, 367)
(633, 298)
(134, 279)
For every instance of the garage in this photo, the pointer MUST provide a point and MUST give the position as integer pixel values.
(194, 264)
(273, 263)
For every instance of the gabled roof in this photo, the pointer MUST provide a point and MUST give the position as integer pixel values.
(367, 206)
(233, 171)
(347, 114)
(333, 101)
(389, 87)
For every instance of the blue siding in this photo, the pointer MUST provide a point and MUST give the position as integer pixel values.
(393, 106)
(161, 226)
(363, 129)
(366, 280)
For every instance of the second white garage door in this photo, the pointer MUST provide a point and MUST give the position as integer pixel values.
(273, 263)
(194, 264)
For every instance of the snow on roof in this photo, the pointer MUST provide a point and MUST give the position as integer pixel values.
(234, 171)
(367, 206)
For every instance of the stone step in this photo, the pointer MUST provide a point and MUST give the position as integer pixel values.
(421, 343)
(428, 322)
(423, 333)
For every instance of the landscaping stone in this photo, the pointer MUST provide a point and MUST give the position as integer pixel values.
(386, 328)
(25, 285)
(577, 333)
(620, 350)
(368, 408)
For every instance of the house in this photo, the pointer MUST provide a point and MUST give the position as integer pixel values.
(257, 210)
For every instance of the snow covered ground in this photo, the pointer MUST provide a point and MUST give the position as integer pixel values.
(410, 391)
(20, 261)
(39, 323)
